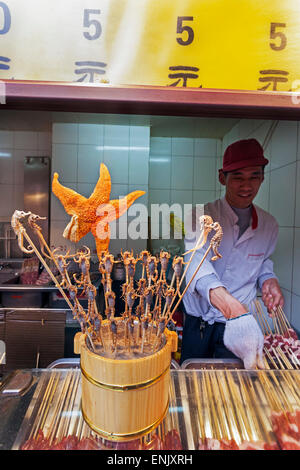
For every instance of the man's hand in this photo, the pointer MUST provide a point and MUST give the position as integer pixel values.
(272, 296)
(244, 338)
(228, 305)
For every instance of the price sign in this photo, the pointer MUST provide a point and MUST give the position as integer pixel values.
(225, 44)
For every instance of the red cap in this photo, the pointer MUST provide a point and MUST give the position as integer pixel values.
(243, 153)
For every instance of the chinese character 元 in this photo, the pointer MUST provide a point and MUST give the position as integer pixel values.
(182, 72)
(88, 69)
(272, 76)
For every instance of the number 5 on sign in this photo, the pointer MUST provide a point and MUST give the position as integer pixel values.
(92, 25)
(184, 28)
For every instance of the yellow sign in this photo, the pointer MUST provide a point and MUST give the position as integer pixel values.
(229, 44)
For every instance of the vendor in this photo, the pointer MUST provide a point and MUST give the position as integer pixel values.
(218, 322)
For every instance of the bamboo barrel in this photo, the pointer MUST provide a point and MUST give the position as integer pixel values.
(124, 399)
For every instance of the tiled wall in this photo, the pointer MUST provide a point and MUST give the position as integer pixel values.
(280, 195)
(78, 150)
(14, 147)
(182, 171)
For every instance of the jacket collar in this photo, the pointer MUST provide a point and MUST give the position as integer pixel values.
(234, 218)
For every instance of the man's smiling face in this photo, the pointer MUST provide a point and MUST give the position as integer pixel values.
(242, 185)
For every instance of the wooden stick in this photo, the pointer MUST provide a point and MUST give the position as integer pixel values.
(240, 412)
(188, 284)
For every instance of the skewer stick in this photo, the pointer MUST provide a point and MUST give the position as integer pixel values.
(259, 320)
(238, 404)
(284, 358)
(224, 403)
(188, 284)
(36, 425)
(46, 407)
(211, 409)
(294, 357)
(200, 406)
(280, 310)
(248, 403)
(260, 310)
(220, 409)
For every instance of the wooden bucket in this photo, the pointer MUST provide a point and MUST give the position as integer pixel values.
(124, 399)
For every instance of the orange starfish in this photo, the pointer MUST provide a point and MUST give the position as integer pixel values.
(92, 214)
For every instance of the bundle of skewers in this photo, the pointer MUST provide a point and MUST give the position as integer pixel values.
(281, 343)
(150, 303)
(209, 410)
(257, 411)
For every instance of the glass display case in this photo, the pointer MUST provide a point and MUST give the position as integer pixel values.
(208, 410)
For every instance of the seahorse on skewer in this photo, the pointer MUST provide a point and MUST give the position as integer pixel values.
(63, 270)
(216, 240)
(19, 230)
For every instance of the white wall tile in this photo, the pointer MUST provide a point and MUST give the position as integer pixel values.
(204, 174)
(90, 134)
(65, 133)
(297, 210)
(160, 146)
(282, 194)
(7, 195)
(6, 167)
(295, 317)
(89, 159)
(159, 172)
(18, 196)
(206, 147)
(182, 146)
(287, 308)
(283, 257)
(202, 197)
(284, 144)
(139, 136)
(296, 263)
(139, 166)
(159, 196)
(117, 163)
(263, 195)
(25, 140)
(45, 143)
(6, 139)
(181, 197)
(182, 173)
(116, 136)
(64, 161)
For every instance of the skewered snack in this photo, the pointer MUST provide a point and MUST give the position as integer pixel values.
(71, 442)
(125, 353)
(281, 343)
(286, 426)
(92, 214)
(138, 331)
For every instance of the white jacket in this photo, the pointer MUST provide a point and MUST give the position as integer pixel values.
(244, 265)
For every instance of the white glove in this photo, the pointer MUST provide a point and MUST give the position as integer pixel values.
(244, 338)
